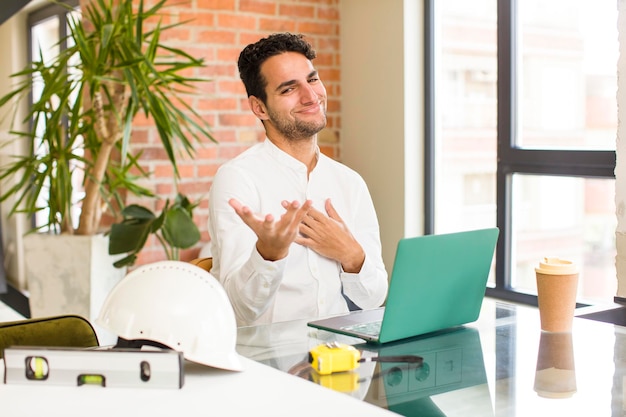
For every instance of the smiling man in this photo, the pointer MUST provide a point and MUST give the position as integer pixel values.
(294, 234)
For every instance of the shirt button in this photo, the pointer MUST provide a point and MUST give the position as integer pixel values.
(266, 285)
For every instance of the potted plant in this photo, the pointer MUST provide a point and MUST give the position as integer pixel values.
(79, 127)
(174, 229)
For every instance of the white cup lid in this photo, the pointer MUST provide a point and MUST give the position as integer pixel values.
(556, 266)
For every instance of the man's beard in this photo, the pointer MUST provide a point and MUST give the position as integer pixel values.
(296, 130)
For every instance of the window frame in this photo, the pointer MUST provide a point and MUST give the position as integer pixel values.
(511, 158)
(12, 296)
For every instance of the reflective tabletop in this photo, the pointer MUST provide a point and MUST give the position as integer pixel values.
(500, 365)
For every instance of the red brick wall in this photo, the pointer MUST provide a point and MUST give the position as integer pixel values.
(218, 31)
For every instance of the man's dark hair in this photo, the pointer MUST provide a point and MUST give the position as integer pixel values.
(255, 54)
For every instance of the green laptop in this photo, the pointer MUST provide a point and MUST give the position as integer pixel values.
(437, 282)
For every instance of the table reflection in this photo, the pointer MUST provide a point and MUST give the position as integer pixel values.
(453, 362)
(555, 375)
(501, 365)
(286, 345)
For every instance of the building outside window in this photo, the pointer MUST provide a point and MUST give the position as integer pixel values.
(538, 162)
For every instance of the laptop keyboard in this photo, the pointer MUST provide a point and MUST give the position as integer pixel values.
(371, 328)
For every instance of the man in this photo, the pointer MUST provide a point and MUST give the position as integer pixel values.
(294, 234)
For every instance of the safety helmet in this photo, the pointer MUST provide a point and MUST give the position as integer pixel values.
(175, 304)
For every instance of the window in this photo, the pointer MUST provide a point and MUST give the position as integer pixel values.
(521, 134)
(48, 29)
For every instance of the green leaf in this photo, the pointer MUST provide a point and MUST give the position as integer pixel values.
(174, 229)
(135, 211)
(127, 261)
(179, 230)
(128, 237)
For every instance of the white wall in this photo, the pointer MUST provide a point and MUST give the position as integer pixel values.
(620, 169)
(382, 108)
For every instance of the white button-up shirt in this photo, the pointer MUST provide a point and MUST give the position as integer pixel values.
(304, 285)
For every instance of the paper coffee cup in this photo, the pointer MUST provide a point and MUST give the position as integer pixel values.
(555, 375)
(557, 284)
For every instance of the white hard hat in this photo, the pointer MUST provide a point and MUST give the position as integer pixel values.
(178, 305)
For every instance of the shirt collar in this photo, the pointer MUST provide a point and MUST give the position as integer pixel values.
(287, 159)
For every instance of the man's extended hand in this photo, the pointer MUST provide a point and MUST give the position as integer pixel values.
(274, 237)
(329, 236)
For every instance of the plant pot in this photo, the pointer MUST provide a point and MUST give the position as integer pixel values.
(69, 274)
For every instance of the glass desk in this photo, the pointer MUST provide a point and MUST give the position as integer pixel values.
(500, 365)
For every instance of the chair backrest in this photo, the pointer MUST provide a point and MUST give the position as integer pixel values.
(204, 263)
(56, 331)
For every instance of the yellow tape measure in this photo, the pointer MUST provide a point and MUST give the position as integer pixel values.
(338, 357)
(334, 357)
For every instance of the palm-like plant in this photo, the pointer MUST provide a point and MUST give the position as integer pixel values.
(174, 229)
(115, 67)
